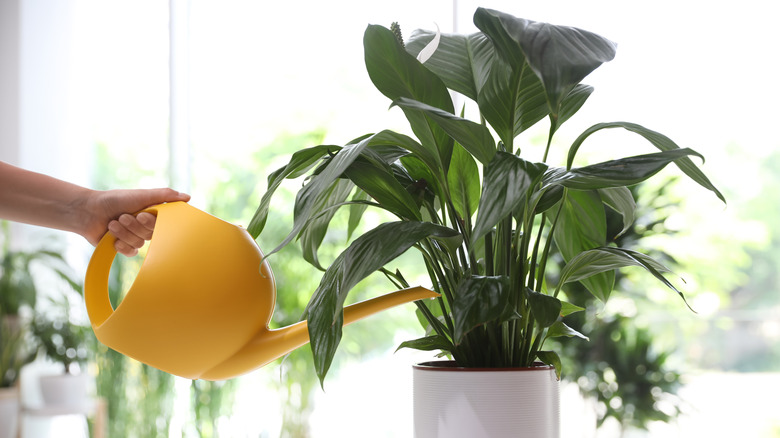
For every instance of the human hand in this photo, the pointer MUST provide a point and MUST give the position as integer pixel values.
(113, 210)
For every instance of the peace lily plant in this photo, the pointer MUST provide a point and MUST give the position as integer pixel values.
(482, 217)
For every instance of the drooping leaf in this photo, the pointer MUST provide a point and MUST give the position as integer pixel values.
(299, 163)
(380, 184)
(474, 137)
(621, 172)
(561, 56)
(658, 140)
(313, 234)
(478, 300)
(356, 210)
(365, 255)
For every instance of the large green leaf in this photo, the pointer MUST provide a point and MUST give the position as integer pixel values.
(512, 100)
(658, 140)
(622, 202)
(506, 181)
(473, 136)
(582, 225)
(621, 172)
(545, 308)
(561, 56)
(461, 61)
(479, 300)
(397, 74)
(365, 255)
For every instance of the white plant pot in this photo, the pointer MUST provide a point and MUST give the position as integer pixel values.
(457, 402)
(9, 412)
(65, 391)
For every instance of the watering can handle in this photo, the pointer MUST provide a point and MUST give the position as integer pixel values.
(96, 280)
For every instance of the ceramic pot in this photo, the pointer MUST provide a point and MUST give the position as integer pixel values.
(452, 402)
(65, 390)
(9, 412)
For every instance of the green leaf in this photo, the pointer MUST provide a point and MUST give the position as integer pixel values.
(474, 137)
(512, 100)
(368, 253)
(463, 181)
(622, 202)
(621, 172)
(560, 329)
(461, 61)
(356, 210)
(326, 208)
(573, 102)
(582, 225)
(658, 140)
(598, 260)
(477, 301)
(551, 358)
(506, 181)
(560, 56)
(381, 185)
(397, 74)
(299, 163)
(428, 343)
(545, 309)
(568, 308)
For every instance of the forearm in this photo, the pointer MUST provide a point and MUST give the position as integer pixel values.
(38, 199)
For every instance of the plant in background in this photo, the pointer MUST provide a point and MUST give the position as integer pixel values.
(61, 340)
(483, 218)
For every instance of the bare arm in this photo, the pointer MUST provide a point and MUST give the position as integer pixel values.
(38, 199)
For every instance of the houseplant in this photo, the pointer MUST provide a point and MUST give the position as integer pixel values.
(483, 218)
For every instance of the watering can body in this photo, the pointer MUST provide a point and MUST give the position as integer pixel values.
(201, 302)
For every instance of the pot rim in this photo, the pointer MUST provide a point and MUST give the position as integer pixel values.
(451, 365)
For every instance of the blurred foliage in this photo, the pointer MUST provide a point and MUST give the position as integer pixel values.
(621, 367)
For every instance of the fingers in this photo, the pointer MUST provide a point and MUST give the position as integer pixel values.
(132, 232)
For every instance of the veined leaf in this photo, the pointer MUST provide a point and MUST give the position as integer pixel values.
(368, 253)
(383, 187)
(622, 202)
(327, 206)
(573, 102)
(299, 163)
(461, 61)
(582, 225)
(658, 140)
(545, 308)
(463, 181)
(561, 329)
(477, 301)
(621, 172)
(474, 137)
(397, 74)
(506, 181)
(561, 56)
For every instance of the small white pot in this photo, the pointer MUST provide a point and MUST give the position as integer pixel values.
(9, 412)
(457, 402)
(65, 390)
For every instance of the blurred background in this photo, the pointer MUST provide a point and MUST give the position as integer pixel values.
(210, 96)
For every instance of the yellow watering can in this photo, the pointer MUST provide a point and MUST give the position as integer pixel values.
(201, 303)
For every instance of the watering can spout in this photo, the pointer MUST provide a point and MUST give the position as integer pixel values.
(269, 345)
(200, 305)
